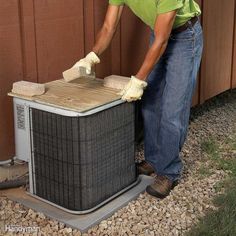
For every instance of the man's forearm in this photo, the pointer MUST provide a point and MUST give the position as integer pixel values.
(152, 57)
(103, 40)
(163, 26)
(107, 32)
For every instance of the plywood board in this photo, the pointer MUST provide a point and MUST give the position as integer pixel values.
(80, 95)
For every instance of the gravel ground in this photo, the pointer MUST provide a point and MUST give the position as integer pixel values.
(174, 215)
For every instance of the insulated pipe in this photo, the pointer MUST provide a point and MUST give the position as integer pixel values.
(9, 161)
(13, 183)
(12, 161)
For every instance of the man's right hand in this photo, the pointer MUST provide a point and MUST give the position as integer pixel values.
(88, 62)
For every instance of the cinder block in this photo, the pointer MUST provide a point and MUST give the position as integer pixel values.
(71, 74)
(116, 81)
(75, 73)
(27, 88)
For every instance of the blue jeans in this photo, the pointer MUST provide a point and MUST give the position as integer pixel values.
(166, 102)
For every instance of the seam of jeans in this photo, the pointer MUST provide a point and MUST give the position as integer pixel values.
(183, 116)
(185, 98)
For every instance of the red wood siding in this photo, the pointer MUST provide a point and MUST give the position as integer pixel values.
(59, 33)
(234, 51)
(11, 70)
(196, 97)
(218, 25)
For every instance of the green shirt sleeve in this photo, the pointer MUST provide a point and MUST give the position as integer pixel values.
(164, 6)
(116, 2)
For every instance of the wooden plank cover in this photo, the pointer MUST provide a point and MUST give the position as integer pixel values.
(80, 95)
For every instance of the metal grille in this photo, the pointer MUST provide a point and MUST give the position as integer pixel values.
(81, 161)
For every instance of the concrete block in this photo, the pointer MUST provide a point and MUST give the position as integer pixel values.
(27, 88)
(71, 74)
(116, 81)
(75, 73)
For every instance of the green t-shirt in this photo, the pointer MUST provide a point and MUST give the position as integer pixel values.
(147, 10)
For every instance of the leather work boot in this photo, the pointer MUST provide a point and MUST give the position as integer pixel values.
(161, 187)
(145, 168)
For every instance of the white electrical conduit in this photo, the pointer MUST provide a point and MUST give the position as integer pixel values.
(9, 161)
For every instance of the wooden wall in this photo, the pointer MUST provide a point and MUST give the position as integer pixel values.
(196, 97)
(41, 38)
(11, 69)
(234, 51)
(218, 25)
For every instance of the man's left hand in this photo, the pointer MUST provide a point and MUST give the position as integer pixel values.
(133, 90)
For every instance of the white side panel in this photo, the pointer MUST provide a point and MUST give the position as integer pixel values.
(22, 135)
(22, 130)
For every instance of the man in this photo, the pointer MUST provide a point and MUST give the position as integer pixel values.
(166, 80)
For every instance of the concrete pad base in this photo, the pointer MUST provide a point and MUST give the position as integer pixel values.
(82, 222)
(9, 172)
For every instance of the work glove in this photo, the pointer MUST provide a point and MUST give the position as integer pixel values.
(88, 62)
(133, 90)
